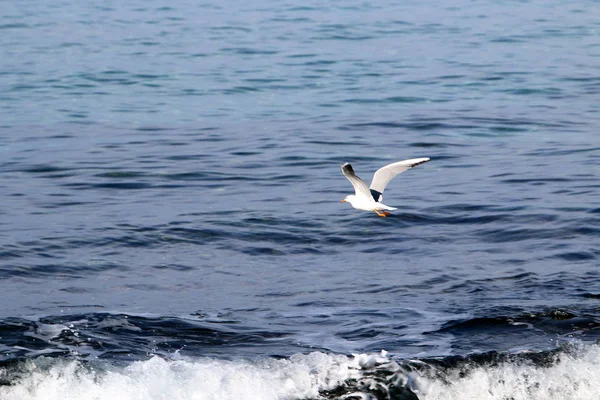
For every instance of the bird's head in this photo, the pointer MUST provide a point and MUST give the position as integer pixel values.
(349, 198)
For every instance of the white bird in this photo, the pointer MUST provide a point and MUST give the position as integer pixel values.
(369, 199)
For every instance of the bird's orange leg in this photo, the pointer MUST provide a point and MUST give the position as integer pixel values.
(381, 214)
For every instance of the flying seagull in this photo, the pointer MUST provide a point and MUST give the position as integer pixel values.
(369, 199)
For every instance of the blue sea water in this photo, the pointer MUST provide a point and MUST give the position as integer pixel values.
(170, 224)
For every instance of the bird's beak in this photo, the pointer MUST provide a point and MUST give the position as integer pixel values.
(343, 201)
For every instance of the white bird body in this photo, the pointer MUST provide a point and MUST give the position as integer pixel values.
(369, 198)
(360, 203)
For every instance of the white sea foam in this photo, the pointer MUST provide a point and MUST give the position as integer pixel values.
(301, 376)
(574, 375)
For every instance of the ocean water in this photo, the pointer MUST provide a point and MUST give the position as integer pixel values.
(170, 186)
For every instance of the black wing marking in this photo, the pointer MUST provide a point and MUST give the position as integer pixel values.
(360, 187)
(376, 195)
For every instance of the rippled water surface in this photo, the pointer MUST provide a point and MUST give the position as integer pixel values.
(170, 184)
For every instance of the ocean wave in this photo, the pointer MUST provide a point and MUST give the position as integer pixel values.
(569, 372)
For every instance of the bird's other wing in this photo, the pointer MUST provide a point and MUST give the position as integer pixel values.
(360, 187)
(385, 174)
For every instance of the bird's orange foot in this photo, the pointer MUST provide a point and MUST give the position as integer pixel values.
(381, 214)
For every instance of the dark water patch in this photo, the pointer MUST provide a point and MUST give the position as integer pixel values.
(121, 174)
(77, 290)
(264, 80)
(394, 99)
(300, 224)
(58, 270)
(111, 185)
(151, 129)
(552, 152)
(240, 89)
(193, 92)
(520, 122)
(231, 28)
(535, 181)
(525, 330)
(408, 99)
(23, 87)
(245, 153)
(303, 8)
(268, 237)
(248, 51)
(291, 19)
(173, 267)
(45, 169)
(478, 326)
(360, 333)
(281, 180)
(433, 145)
(465, 219)
(187, 176)
(507, 235)
(195, 235)
(376, 289)
(143, 287)
(551, 322)
(506, 129)
(466, 364)
(580, 79)
(521, 280)
(127, 337)
(578, 256)
(493, 78)
(336, 143)
(131, 180)
(16, 25)
(114, 72)
(61, 204)
(302, 161)
(302, 55)
(533, 91)
(591, 295)
(342, 36)
(103, 77)
(418, 126)
(462, 207)
(508, 39)
(263, 251)
(432, 282)
(6, 253)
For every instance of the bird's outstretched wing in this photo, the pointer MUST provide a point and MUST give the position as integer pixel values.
(385, 174)
(360, 188)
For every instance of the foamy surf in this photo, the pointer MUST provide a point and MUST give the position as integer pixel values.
(570, 373)
(300, 376)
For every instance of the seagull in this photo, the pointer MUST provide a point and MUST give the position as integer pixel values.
(369, 199)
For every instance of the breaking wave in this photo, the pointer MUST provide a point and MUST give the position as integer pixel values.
(568, 372)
